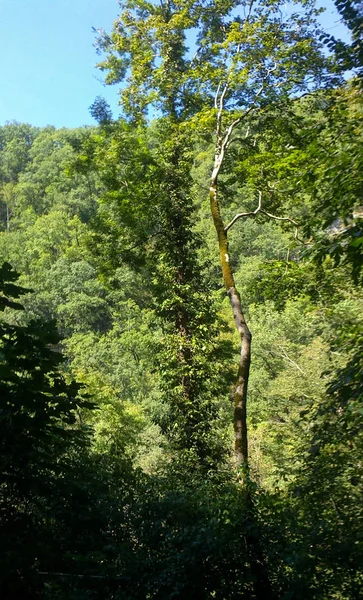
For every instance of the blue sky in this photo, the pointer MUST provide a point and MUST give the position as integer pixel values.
(47, 72)
(47, 67)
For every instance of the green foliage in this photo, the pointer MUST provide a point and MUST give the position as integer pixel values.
(145, 224)
(147, 47)
(101, 111)
(350, 56)
(110, 230)
(34, 178)
(40, 434)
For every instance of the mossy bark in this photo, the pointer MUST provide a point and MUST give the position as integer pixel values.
(262, 589)
(240, 394)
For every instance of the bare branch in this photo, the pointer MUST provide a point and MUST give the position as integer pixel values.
(233, 125)
(292, 362)
(249, 11)
(245, 214)
(225, 139)
(223, 95)
(259, 210)
(220, 110)
(304, 242)
(269, 71)
(263, 212)
(216, 96)
(195, 55)
(239, 138)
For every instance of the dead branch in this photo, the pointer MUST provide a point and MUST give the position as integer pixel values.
(259, 210)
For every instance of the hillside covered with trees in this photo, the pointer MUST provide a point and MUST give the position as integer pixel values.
(181, 317)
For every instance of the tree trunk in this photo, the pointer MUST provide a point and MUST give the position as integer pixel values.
(240, 394)
(261, 588)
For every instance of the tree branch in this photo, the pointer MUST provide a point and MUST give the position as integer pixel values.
(195, 56)
(216, 96)
(219, 105)
(259, 210)
(227, 135)
(284, 355)
(224, 139)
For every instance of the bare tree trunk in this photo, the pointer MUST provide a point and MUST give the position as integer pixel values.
(240, 394)
(261, 588)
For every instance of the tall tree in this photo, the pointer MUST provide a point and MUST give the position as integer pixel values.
(147, 220)
(247, 57)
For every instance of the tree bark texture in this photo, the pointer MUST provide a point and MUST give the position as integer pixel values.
(240, 394)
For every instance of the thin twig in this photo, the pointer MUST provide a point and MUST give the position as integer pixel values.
(284, 354)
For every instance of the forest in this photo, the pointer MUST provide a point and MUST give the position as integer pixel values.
(181, 403)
